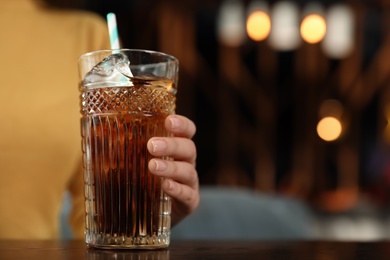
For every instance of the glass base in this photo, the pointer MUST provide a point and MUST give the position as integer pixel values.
(122, 242)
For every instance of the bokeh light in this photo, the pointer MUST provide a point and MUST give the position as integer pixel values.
(313, 28)
(339, 39)
(258, 25)
(329, 128)
(284, 34)
(231, 23)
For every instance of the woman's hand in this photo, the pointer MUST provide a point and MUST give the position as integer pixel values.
(180, 176)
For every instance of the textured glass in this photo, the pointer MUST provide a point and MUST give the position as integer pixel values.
(125, 206)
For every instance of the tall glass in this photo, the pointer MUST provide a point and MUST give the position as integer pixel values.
(125, 97)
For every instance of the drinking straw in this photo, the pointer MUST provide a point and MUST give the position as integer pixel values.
(114, 38)
(113, 31)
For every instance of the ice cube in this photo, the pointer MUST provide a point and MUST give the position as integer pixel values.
(112, 70)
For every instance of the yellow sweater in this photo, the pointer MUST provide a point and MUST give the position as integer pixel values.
(40, 150)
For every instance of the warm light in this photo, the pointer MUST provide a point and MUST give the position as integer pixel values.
(339, 39)
(231, 23)
(284, 34)
(258, 25)
(313, 28)
(329, 128)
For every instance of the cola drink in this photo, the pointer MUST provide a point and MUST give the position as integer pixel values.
(124, 203)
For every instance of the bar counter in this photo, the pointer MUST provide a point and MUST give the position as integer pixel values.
(187, 250)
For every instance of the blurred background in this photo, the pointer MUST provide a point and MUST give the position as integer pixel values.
(290, 98)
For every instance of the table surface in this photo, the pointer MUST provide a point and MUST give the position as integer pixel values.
(187, 250)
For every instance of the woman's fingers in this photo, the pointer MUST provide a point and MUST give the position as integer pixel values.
(180, 178)
(181, 172)
(180, 126)
(185, 199)
(180, 182)
(179, 148)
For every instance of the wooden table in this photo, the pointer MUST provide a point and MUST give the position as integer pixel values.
(188, 250)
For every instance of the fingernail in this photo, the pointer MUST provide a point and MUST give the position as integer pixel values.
(159, 145)
(170, 185)
(160, 165)
(175, 122)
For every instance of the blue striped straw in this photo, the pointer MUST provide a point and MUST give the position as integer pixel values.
(113, 31)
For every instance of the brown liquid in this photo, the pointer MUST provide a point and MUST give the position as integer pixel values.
(124, 201)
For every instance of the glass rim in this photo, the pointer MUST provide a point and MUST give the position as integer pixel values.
(170, 57)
